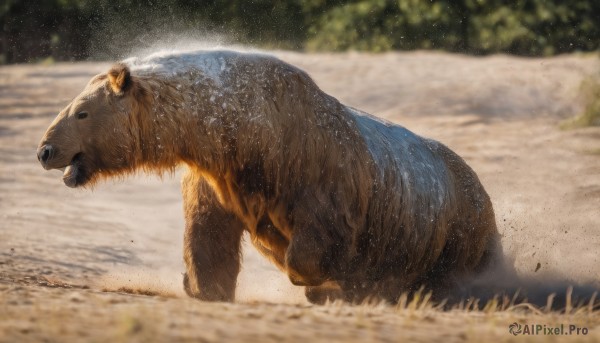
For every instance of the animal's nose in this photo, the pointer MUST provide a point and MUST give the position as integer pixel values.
(45, 153)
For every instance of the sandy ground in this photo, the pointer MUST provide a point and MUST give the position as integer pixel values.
(70, 259)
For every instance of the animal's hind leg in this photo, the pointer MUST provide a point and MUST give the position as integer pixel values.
(211, 243)
(316, 251)
(305, 258)
(271, 243)
(328, 291)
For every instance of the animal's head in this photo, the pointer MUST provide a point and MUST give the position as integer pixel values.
(94, 135)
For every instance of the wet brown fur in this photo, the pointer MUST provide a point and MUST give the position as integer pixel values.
(285, 162)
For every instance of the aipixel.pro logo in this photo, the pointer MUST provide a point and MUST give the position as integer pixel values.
(546, 330)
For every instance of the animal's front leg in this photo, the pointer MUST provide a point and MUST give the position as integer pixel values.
(211, 244)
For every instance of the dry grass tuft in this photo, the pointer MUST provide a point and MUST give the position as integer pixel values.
(590, 92)
(421, 302)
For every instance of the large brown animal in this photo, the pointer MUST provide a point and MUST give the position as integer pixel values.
(343, 202)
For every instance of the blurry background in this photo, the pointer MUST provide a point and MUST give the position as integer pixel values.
(35, 30)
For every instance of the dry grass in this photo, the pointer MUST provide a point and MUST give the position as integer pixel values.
(90, 315)
(590, 93)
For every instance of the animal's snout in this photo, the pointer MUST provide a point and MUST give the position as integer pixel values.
(45, 154)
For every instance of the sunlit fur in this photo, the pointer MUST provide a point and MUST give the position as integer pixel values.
(346, 204)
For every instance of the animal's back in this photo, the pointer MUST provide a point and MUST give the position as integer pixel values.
(226, 68)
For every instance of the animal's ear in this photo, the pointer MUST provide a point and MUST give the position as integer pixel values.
(119, 78)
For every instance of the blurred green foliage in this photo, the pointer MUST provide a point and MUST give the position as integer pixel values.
(79, 29)
(523, 27)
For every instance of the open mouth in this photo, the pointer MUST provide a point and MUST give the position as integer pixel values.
(74, 173)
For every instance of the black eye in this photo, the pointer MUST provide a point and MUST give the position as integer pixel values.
(82, 115)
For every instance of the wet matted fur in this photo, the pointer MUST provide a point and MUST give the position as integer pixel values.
(344, 203)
